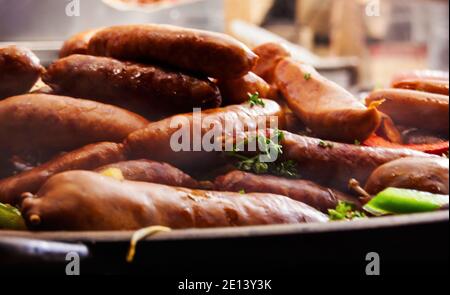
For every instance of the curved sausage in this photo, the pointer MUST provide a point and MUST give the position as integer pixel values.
(39, 122)
(87, 201)
(236, 91)
(19, 71)
(431, 86)
(334, 164)
(421, 75)
(86, 158)
(144, 89)
(160, 141)
(212, 54)
(429, 175)
(418, 109)
(327, 109)
(77, 44)
(151, 171)
(303, 191)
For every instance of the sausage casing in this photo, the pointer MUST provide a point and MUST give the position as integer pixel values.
(86, 158)
(19, 71)
(423, 174)
(303, 191)
(212, 54)
(81, 200)
(144, 89)
(237, 91)
(77, 44)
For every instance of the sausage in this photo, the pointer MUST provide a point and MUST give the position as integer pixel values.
(151, 171)
(87, 201)
(270, 54)
(237, 91)
(156, 142)
(334, 164)
(418, 109)
(211, 54)
(77, 44)
(423, 174)
(20, 69)
(327, 109)
(421, 75)
(144, 89)
(86, 158)
(303, 191)
(40, 122)
(431, 86)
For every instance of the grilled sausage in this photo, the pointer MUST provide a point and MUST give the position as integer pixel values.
(211, 54)
(431, 86)
(77, 44)
(160, 141)
(144, 89)
(327, 109)
(418, 109)
(39, 122)
(334, 164)
(423, 174)
(19, 71)
(270, 54)
(86, 158)
(303, 191)
(151, 171)
(81, 200)
(421, 75)
(237, 91)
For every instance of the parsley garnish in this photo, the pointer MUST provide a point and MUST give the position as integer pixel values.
(326, 145)
(345, 211)
(357, 142)
(307, 76)
(255, 100)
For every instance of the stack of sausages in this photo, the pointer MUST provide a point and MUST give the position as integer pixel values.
(113, 95)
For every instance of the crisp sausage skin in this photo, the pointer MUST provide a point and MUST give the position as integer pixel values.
(86, 158)
(334, 164)
(300, 190)
(212, 54)
(426, 111)
(237, 91)
(431, 86)
(87, 201)
(20, 69)
(270, 54)
(151, 171)
(149, 90)
(48, 123)
(77, 44)
(326, 108)
(423, 174)
(159, 141)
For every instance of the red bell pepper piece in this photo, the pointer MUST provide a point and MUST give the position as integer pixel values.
(439, 148)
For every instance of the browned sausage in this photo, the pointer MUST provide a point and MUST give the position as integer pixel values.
(334, 164)
(303, 191)
(212, 54)
(270, 54)
(154, 142)
(87, 201)
(431, 86)
(410, 108)
(77, 44)
(19, 70)
(237, 91)
(151, 171)
(326, 108)
(39, 122)
(144, 89)
(429, 175)
(421, 75)
(87, 158)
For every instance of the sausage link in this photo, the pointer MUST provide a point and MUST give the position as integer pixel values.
(212, 54)
(236, 91)
(270, 54)
(151, 171)
(87, 201)
(87, 158)
(77, 44)
(431, 86)
(20, 69)
(303, 191)
(429, 175)
(39, 122)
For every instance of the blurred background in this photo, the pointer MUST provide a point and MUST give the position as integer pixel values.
(359, 43)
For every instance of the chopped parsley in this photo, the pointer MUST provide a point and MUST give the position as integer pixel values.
(326, 145)
(345, 211)
(307, 76)
(255, 100)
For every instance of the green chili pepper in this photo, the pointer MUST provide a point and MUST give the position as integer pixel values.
(11, 218)
(405, 201)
